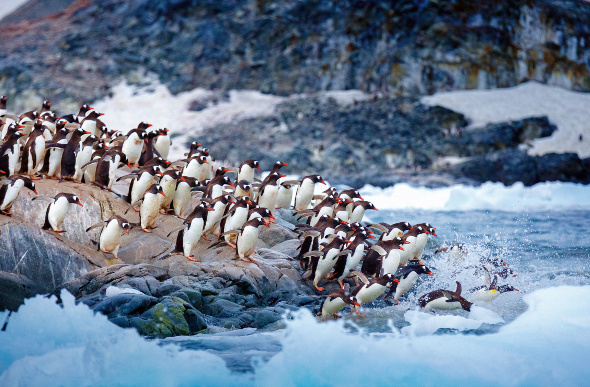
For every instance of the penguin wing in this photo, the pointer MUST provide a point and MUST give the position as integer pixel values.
(361, 276)
(101, 224)
(314, 253)
(129, 176)
(50, 144)
(458, 291)
(90, 162)
(235, 231)
(379, 227)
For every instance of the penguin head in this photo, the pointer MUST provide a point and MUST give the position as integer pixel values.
(73, 199)
(28, 183)
(507, 288)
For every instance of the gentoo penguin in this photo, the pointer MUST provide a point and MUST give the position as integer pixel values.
(109, 239)
(305, 191)
(193, 230)
(408, 277)
(70, 154)
(422, 238)
(194, 149)
(58, 209)
(162, 143)
(8, 129)
(444, 300)
(33, 151)
(149, 151)
(384, 256)
(390, 231)
(133, 144)
(77, 118)
(52, 162)
(218, 208)
(284, 196)
(246, 170)
(326, 207)
(490, 290)
(27, 120)
(140, 182)
(159, 163)
(49, 124)
(323, 261)
(358, 210)
(341, 211)
(275, 169)
(334, 302)
(348, 263)
(247, 237)
(268, 192)
(235, 218)
(216, 186)
(10, 153)
(197, 167)
(168, 182)
(10, 189)
(415, 246)
(244, 188)
(150, 207)
(371, 289)
(182, 195)
(107, 166)
(84, 156)
(88, 124)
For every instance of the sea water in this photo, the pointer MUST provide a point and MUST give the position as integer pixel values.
(539, 335)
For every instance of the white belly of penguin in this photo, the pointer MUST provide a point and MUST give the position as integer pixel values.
(216, 191)
(11, 195)
(191, 170)
(247, 242)
(182, 198)
(57, 212)
(442, 304)
(353, 261)
(140, 186)
(54, 168)
(113, 165)
(192, 234)
(168, 185)
(323, 211)
(203, 172)
(246, 173)
(13, 158)
(357, 214)
(325, 264)
(110, 237)
(284, 197)
(162, 145)
(234, 222)
(269, 198)
(396, 232)
(370, 293)
(149, 210)
(332, 306)
(214, 216)
(82, 158)
(391, 262)
(304, 195)
(405, 284)
(408, 251)
(420, 245)
(132, 148)
(484, 295)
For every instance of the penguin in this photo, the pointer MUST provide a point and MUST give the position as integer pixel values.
(358, 210)
(235, 218)
(243, 188)
(193, 150)
(194, 226)
(159, 163)
(348, 263)
(168, 182)
(150, 207)
(27, 120)
(196, 167)
(149, 151)
(58, 209)
(77, 118)
(182, 195)
(322, 262)
(414, 244)
(216, 186)
(444, 300)
(10, 153)
(341, 211)
(70, 154)
(408, 277)
(384, 256)
(268, 192)
(334, 302)
(88, 123)
(422, 238)
(246, 170)
(371, 289)
(8, 129)
(218, 208)
(305, 191)
(52, 163)
(107, 166)
(490, 290)
(275, 170)
(284, 196)
(83, 156)
(140, 182)
(109, 239)
(247, 237)
(10, 190)
(49, 125)
(162, 143)
(133, 144)
(390, 231)
(326, 207)
(33, 151)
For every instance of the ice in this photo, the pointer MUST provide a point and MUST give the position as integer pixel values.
(488, 196)
(113, 291)
(422, 323)
(566, 109)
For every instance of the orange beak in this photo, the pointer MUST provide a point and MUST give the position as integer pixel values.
(258, 167)
(127, 232)
(162, 193)
(80, 204)
(401, 248)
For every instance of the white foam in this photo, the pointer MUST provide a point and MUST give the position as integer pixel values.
(566, 109)
(488, 196)
(422, 323)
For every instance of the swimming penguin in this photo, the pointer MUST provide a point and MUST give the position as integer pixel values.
(150, 207)
(247, 237)
(193, 230)
(10, 189)
(334, 302)
(109, 239)
(10, 153)
(133, 144)
(246, 170)
(322, 262)
(305, 191)
(444, 300)
(408, 276)
(358, 210)
(284, 196)
(490, 290)
(33, 151)
(58, 209)
(371, 289)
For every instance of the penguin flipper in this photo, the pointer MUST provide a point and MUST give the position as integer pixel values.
(46, 225)
(129, 176)
(361, 276)
(237, 231)
(101, 224)
(458, 291)
(94, 161)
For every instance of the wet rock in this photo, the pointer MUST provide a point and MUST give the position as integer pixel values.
(14, 288)
(264, 318)
(223, 308)
(167, 318)
(125, 304)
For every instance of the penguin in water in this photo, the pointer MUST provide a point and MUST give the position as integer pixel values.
(371, 289)
(10, 190)
(490, 290)
(408, 277)
(58, 209)
(335, 301)
(384, 256)
(109, 239)
(247, 237)
(192, 231)
(444, 300)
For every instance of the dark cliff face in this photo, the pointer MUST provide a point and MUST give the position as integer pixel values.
(404, 47)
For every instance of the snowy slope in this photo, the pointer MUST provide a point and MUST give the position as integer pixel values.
(569, 110)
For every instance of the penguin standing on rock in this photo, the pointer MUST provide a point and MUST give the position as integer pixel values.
(305, 191)
(58, 209)
(110, 236)
(33, 151)
(133, 144)
(193, 230)
(322, 262)
(247, 237)
(10, 190)
(150, 207)
(9, 153)
(444, 300)
(267, 195)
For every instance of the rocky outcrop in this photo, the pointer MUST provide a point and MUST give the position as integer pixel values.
(404, 47)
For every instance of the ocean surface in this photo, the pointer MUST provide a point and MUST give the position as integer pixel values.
(539, 335)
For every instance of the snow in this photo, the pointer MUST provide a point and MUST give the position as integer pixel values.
(566, 109)
(488, 196)
(8, 6)
(48, 345)
(114, 290)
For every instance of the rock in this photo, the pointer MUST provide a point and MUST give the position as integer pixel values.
(167, 318)
(264, 318)
(222, 308)
(125, 304)
(14, 288)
